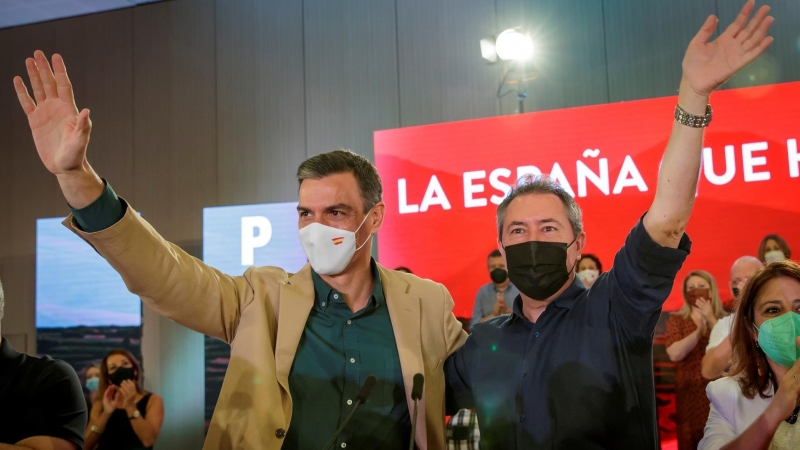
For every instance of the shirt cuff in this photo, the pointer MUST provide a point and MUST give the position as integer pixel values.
(102, 213)
(655, 258)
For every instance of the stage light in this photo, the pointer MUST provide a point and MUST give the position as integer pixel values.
(513, 48)
(512, 45)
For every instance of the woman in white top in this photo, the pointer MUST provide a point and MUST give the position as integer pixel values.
(757, 407)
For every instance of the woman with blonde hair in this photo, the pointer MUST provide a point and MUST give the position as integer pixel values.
(686, 339)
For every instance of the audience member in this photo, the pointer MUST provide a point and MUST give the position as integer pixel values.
(496, 297)
(773, 248)
(128, 417)
(41, 401)
(92, 377)
(589, 268)
(718, 350)
(756, 407)
(686, 338)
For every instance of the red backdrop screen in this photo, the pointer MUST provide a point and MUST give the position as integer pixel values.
(442, 183)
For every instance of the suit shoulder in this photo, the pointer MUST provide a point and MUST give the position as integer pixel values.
(269, 274)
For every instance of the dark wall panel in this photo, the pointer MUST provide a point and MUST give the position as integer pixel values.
(350, 73)
(781, 62)
(260, 100)
(645, 44)
(570, 51)
(442, 75)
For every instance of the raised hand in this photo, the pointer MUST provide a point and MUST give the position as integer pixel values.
(500, 305)
(788, 394)
(60, 132)
(128, 391)
(699, 320)
(110, 397)
(706, 65)
(704, 305)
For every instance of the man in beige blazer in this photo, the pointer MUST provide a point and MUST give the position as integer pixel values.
(301, 344)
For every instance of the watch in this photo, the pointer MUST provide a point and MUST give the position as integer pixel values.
(136, 414)
(690, 120)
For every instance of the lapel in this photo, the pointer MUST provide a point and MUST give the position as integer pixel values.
(296, 301)
(404, 312)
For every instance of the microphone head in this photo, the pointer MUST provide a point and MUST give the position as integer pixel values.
(416, 390)
(366, 388)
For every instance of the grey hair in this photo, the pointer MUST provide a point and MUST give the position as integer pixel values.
(345, 161)
(541, 184)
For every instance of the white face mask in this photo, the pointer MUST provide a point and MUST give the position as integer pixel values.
(587, 276)
(329, 249)
(775, 255)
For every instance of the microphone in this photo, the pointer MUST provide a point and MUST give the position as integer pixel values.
(416, 395)
(361, 398)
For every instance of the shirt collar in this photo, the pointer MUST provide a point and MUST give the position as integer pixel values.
(8, 355)
(565, 300)
(324, 294)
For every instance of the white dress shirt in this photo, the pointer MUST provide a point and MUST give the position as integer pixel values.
(721, 330)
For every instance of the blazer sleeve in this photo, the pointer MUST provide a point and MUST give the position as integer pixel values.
(720, 428)
(169, 280)
(455, 336)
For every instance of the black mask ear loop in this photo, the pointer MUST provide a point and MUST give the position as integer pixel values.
(575, 266)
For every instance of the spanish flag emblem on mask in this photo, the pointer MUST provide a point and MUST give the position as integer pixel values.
(338, 240)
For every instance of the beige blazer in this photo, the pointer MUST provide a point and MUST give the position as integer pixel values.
(261, 314)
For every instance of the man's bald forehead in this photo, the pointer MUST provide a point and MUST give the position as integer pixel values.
(746, 262)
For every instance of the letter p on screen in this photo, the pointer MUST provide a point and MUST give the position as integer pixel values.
(256, 233)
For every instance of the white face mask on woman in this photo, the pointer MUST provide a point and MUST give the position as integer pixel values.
(587, 276)
(775, 255)
(329, 249)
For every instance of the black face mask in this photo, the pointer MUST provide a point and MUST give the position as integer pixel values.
(498, 275)
(122, 374)
(538, 269)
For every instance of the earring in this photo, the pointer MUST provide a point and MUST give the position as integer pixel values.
(757, 346)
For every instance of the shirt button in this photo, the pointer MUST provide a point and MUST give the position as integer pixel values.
(280, 433)
(336, 296)
(536, 334)
(349, 402)
(344, 445)
(349, 321)
(352, 360)
(323, 303)
(522, 418)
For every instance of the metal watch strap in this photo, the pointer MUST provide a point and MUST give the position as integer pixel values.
(690, 120)
(97, 430)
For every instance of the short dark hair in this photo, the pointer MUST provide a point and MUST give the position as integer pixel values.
(345, 161)
(541, 184)
(494, 254)
(595, 259)
(404, 269)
